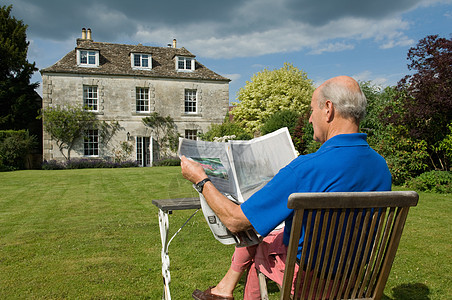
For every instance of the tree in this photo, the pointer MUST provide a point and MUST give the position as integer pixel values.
(18, 100)
(406, 157)
(227, 129)
(283, 118)
(427, 101)
(107, 131)
(14, 147)
(164, 132)
(67, 125)
(287, 88)
(291, 120)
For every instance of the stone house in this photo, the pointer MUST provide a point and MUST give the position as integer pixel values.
(126, 83)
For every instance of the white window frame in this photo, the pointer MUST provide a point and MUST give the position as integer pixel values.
(91, 143)
(190, 97)
(141, 58)
(186, 67)
(90, 54)
(91, 98)
(142, 100)
(191, 134)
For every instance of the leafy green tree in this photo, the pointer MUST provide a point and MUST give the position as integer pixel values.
(14, 147)
(303, 136)
(287, 88)
(280, 119)
(106, 133)
(18, 100)
(227, 129)
(427, 103)
(406, 157)
(122, 152)
(66, 125)
(164, 131)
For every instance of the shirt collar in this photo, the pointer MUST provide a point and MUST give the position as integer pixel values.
(350, 139)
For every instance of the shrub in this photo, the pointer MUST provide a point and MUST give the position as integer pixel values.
(86, 163)
(167, 162)
(280, 119)
(52, 165)
(14, 147)
(433, 181)
(225, 129)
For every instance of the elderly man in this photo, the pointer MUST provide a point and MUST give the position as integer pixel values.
(344, 163)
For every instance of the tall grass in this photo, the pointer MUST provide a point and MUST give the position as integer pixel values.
(93, 234)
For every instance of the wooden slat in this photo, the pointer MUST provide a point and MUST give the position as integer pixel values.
(177, 203)
(381, 252)
(335, 251)
(358, 259)
(374, 251)
(323, 274)
(319, 245)
(396, 234)
(367, 248)
(291, 258)
(314, 245)
(338, 280)
(352, 245)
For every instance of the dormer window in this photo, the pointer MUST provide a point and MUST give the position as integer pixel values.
(141, 61)
(185, 63)
(87, 58)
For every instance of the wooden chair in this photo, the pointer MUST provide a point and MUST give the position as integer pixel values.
(350, 243)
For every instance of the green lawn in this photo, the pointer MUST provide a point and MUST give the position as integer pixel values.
(93, 234)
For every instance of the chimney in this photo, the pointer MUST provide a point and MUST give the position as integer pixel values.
(83, 34)
(174, 43)
(88, 34)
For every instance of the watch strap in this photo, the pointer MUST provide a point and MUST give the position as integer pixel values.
(200, 185)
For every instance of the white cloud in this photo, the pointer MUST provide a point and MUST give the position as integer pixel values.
(233, 77)
(332, 47)
(295, 36)
(234, 29)
(367, 75)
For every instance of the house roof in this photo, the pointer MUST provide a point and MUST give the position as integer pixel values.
(114, 59)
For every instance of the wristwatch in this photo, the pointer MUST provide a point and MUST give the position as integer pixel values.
(200, 185)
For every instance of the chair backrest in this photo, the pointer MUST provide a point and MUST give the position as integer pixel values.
(350, 241)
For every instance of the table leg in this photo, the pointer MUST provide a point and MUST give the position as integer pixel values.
(163, 224)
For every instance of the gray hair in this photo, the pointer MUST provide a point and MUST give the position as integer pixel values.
(348, 102)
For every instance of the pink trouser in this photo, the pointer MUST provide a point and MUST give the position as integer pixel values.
(268, 257)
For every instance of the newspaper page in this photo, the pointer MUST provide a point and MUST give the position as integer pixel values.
(238, 169)
(257, 161)
(214, 159)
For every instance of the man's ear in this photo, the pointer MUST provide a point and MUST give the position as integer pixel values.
(329, 111)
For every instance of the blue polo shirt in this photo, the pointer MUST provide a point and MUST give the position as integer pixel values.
(344, 163)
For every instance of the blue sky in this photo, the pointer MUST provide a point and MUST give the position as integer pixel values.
(368, 40)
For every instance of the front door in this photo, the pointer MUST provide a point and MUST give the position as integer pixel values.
(143, 152)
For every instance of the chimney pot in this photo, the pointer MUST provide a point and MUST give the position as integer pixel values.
(83, 34)
(88, 36)
(174, 43)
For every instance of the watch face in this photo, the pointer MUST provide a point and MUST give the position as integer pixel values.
(198, 188)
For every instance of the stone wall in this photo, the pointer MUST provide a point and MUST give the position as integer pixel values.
(117, 102)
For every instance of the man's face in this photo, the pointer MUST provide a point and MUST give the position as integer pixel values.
(317, 119)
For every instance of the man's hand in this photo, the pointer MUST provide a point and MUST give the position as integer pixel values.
(229, 213)
(192, 170)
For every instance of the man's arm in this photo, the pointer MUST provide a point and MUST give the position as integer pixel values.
(230, 214)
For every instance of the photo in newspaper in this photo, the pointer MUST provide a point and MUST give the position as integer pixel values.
(238, 169)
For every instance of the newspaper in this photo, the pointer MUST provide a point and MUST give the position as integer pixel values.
(238, 169)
